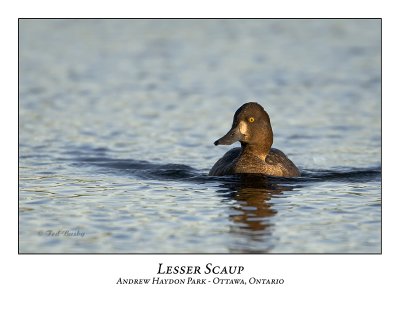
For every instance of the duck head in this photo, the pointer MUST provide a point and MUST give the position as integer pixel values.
(252, 128)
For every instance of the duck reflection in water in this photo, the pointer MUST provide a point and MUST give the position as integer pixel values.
(252, 211)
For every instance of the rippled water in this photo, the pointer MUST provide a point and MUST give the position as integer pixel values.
(117, 120)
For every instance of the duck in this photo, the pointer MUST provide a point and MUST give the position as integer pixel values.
(252, 128)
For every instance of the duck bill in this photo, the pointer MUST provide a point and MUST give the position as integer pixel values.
(234, 135)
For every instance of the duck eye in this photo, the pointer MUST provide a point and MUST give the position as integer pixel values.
(251, 119)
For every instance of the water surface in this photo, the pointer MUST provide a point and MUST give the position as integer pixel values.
(117, 120)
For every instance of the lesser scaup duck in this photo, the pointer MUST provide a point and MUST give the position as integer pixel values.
(252, 128)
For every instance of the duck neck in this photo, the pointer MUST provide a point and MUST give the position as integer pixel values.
(259, 151)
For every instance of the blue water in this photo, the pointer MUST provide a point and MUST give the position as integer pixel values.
(117, 120)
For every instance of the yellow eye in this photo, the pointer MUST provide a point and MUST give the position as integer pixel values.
(251, 119)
